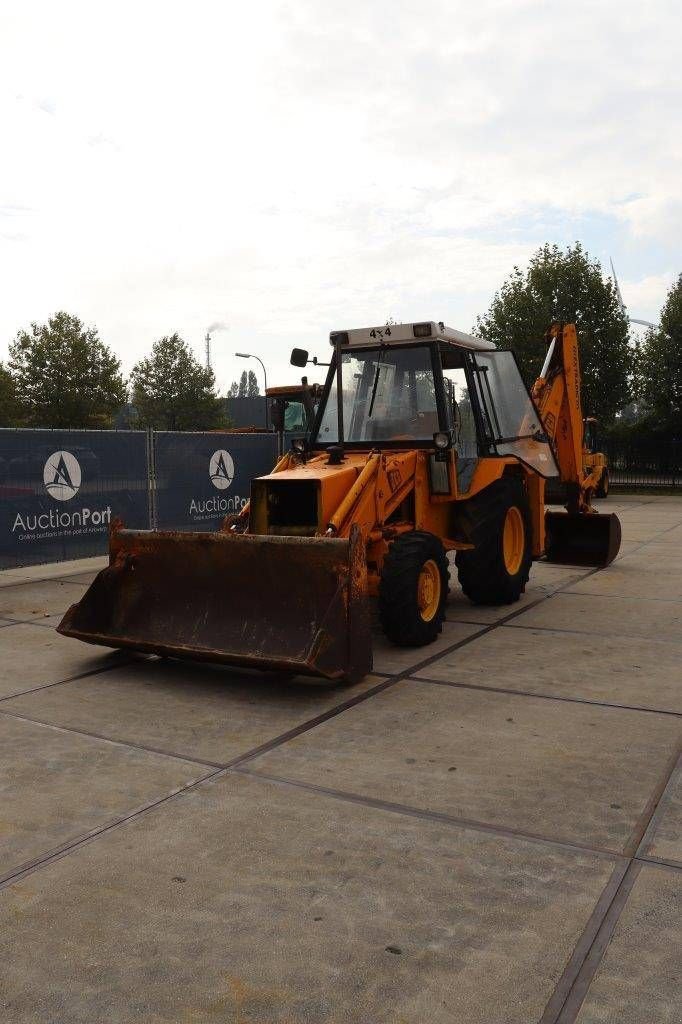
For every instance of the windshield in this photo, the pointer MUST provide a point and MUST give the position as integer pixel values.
(388, 395)
(511, 420)
(294, 416)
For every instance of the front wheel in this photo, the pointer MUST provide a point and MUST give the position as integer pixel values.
(413, 589)
(498, 522)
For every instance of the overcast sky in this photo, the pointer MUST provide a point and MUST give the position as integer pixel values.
(286, 169)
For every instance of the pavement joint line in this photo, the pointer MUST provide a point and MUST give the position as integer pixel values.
(423, 814)
(625, 597)
(568, 1013)
(46, 579)
(542, 696)
(40, 862)
(70, 679)
(577, 959)
(43, 860)
(277, 741)
(641, 828)
(131, 745)
(35, 621)
(660, 862)
(590, 632)
(661, 806)
(57, 853)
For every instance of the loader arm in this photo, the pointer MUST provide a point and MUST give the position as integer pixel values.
(556, 394)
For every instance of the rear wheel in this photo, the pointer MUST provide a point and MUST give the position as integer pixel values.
(413, 589)
(602, 490)
(498, 522)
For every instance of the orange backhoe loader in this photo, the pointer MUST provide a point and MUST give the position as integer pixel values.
(425, 442)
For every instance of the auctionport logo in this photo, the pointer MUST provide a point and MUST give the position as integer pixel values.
(62, 476)
(221, 469)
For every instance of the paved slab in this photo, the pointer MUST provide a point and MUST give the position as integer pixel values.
(31, 655)
(58, 785)
(611, 670)
(608, 616)
(39, 599)
(622, 578)
(292, 899)
(660, 558)
(247, 901)
(56, 569)
(639, 981)
(11, 578)
(201, 711)
(85, 578)
(545, 767)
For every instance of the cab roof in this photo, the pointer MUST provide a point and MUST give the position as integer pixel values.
(401, 334)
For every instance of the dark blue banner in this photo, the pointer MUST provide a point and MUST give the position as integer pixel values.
(201, 478)
(60, 490)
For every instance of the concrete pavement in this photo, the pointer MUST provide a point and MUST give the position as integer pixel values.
(486, 830)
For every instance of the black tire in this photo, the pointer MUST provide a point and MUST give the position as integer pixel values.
(402, 618)
(482, 571)
(602, 490)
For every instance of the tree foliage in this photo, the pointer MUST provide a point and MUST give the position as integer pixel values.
(65, 376)
(10, 409)
(171, 390)
(660, 365)
(243, 385)
(252, 389)
(233, 390)
(566, 286)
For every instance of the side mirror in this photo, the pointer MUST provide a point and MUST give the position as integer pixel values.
(299, 357)
(277, 414)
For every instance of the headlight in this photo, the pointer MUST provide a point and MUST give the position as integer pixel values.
(441, 440)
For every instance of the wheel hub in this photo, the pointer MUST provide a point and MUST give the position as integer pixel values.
(513, 538)
(429, 590)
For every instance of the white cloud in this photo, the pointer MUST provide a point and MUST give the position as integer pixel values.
(288, 169)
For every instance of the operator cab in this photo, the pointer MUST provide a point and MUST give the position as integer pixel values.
(424, 384)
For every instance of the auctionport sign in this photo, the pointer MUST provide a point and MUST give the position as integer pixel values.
(201, 478)
(60, 490)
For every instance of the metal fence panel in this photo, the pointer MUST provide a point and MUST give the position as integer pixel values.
(201, 478)
(644, 464)
(60, 490)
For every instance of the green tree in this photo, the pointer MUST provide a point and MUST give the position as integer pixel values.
(570, 287)
(233, 390)
(660, 365)
(65, 376)
(252, 389)
(10, 410)
(171, 390)
(243, 385)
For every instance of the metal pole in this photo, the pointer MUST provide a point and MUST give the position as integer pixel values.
(265, 382)
(339, 393)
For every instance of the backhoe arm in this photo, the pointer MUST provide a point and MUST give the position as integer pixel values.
(556, 394)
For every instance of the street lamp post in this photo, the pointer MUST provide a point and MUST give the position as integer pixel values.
(249, 355)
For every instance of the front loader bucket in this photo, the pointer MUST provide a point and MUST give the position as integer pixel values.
(591, 538)
(297, 604)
